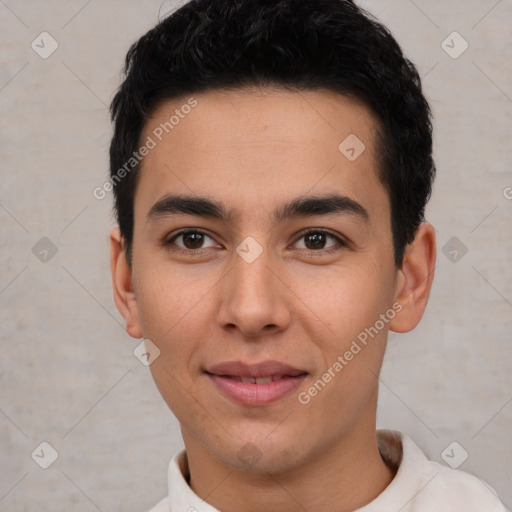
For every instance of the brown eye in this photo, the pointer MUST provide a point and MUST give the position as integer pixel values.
(191, 240)
(317, 240)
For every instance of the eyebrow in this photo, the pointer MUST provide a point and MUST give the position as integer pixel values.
(303, 206)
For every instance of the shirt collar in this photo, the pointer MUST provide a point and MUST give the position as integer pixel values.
(181, 497)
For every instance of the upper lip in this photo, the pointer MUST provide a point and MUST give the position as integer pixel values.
(257, 370)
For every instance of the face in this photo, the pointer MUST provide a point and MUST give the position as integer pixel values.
(253, 282)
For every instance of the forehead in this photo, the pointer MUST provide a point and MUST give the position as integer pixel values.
(252, 145)
(233, 116)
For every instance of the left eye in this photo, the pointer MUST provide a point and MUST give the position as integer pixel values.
(316, 240)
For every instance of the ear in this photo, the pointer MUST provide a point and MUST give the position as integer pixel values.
(414, 279)
(124, 296)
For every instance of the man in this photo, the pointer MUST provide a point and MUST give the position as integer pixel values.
(271, 163)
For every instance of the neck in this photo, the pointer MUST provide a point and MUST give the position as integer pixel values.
(342, 477)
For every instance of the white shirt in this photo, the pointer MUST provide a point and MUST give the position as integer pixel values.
(420, 485)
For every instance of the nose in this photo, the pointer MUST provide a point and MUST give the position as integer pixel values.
(255, 299)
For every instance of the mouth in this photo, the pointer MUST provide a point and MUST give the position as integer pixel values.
(255, 384)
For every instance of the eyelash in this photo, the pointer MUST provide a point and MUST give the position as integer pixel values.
(341, 243)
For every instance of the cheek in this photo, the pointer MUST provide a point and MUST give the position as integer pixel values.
(171, 310)
(348, 331)
(167, 299)
(350, 339)
(344, 301)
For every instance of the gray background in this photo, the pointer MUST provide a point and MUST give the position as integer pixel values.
(68, 373)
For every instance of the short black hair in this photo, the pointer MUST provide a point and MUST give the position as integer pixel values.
(292, 44)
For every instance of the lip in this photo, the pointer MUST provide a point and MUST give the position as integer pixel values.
(226, 378)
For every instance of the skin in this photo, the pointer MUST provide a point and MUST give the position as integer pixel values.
(253, 150)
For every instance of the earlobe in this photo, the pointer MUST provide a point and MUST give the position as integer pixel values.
(122, 285)
(414, 280)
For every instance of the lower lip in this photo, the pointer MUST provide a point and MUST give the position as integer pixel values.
(246, 393)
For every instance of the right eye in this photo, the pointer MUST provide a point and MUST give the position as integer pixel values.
(192, 241)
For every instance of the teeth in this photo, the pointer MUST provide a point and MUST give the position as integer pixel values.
(259, 380)
(263, 380)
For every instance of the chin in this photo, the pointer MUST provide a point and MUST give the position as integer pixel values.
(263, 453)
